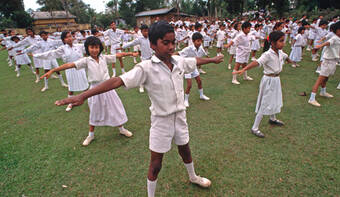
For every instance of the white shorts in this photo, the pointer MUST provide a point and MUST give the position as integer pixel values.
(219, 44)
(328, 67)
(164, 129)
(192, 75)
(243, 58)
(49, 64)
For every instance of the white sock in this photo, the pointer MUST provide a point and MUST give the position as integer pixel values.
(191, 170)
(339, 85)
(234, 76)
(201, 92)
(18, 70)
(245, 76)
(121, 128)
(61, 79)
(272, 117)
(46, 82)
(91, 133)
(323, 90)
(123, 70)
(151, 187)
(32, 69)
(312, 96)
(69, 96)
(134, 59)
(257, 121)
(114, 71)
(186, 97)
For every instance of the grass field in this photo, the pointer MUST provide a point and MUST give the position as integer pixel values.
(40, 144)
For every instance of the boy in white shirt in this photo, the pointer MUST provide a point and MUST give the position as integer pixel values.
(221, 36)
(163, 79)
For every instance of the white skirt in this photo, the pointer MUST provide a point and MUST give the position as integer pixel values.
(295, 54)
(311, 35)
(106, 109)
(269, 100)
(50, 63)
(255, 45)
(76, 80)
(22, 59)
(38, 63)
(232, 50)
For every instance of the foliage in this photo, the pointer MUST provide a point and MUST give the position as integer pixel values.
(12, 14)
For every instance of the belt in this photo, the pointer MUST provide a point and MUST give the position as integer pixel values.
(272, 75)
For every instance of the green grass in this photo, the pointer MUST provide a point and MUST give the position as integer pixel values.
(40, 144)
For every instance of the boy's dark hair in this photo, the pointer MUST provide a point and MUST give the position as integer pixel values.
(15, 37)
(301, 29)
(94, 31)
(29, 28)
(82, 31)
(158, 30)
(143, 26)
(43, 32)
(273, 37)
(245, 25)
(92, 41)
(63, 35)
(257, 26)
(197, 36)
(336, 26)
(235, 25)
(323, 22)
(198, 25)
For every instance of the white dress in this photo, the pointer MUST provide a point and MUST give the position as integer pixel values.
(76, 79)
(23, 58)
(296, 53)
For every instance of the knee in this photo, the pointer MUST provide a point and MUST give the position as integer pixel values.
(155, 168)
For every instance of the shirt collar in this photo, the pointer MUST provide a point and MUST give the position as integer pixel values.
(155, 59)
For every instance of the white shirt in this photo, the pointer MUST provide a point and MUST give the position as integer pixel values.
(191, 51)
(114, 36)
(96, 71)
(146, 51)
(44, 46)
(242, 42)
(164, 87)
(272, 62)
(299, 39)
(66, 52)
(333, 50)
(28, 41)
(220, 35)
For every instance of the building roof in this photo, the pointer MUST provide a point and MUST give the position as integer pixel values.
(156, 12)
(55, 14)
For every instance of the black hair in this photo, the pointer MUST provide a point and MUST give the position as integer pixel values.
(9, 31)
(15, 37)
(197, 36)
(94, 31)
(92, 41)
(273, 37)
(43, 32)
(82, 31)
(245, 25)
(257, 26)
(29, 28)
(158, 30)
(143, 26)
(323, 22)
(235, 25)
(277, 25)
(63, 35)
(336, 26)
(301, 29)
(198, 25)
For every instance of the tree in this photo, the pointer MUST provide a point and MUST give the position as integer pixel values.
(12, 14)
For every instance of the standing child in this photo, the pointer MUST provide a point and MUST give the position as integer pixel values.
(330, 58)
(320, 32)
(105, 109)
(255, 45)
(269, 100)
(162, 77)
(21, 59)
(296, 53)
(220, 36)
(232, 50)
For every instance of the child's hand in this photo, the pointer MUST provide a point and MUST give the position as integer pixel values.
(239, 72)
(74, 100)
(218, 59)
(135, 54)
(317, 46)
(47, 75)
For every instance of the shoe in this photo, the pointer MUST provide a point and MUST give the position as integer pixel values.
(315, 103)
(253, 59)
(314, 59)
(37, 80)
(248, 78)
(88, 140)
(68, 108)
(258, 133)
(201, 181)
(64, 85)
(18, 75)
(202, 71)
(135, 61)
(308, 49)
(16, 69)
(203, 97)
(141, 89)
(297, 65)
(327, 95)
(126, 132)
(276, 122)
(53, 76)
(186, 103)
(44, 89)
(338, 87)
(229, 66)
(235, 82)
(294, 65)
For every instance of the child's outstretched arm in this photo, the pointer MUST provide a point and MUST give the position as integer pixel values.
(229, 44)
(123, 54)
(249, 66)
(216, 60)
(322, 45)
(107, 85)
(60, 68)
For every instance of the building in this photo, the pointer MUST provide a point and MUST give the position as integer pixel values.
(56, 21)
(150, 16)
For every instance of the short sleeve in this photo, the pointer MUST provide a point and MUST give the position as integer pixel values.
(184, 52)
(134, 78)
(110, 58)
(81, 63)
(284, 56)
(189, 64)
(333, 41)
(263, 59)
(237, 40)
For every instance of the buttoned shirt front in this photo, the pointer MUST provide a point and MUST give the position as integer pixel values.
(114, 36)
(272, 62)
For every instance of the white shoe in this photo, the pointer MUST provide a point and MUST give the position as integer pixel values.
(327, 95)
(203, 97)
(297, 65)
(186, 103)
(53, 76)
(16, 69)
(294, 65)
(135, 61)
(44, 89)
(201, 181)
(315, 103)
(126, 132)
(308, 49)
(229, 66)
(253, 59)
(318, 71)
(248, 78)
(338, 87)
(68, 108)
(202, 71)
(235, 82)
(88, 140)
(18, 75)
(37, 80)
(141, 89)
(314, 59)
(64, 85)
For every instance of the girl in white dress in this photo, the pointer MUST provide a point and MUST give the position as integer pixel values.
(105, 109)
(296, 53)
(21, 59)
(255, 45)
(269, 100)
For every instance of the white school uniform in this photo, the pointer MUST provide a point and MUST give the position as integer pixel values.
(166, 93)
(331, 57)
(296, 53)
(136, 47)
(29, 41)
(76, 79)
(327, 37)
(22, 58)
(255, 44)
(242, 43)
(269, 100)
(106, 109)
(312, 31)
(320, 33)
(192, 51)
(115, 39)
(144, 43)
(232, 49)
(220, 38)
